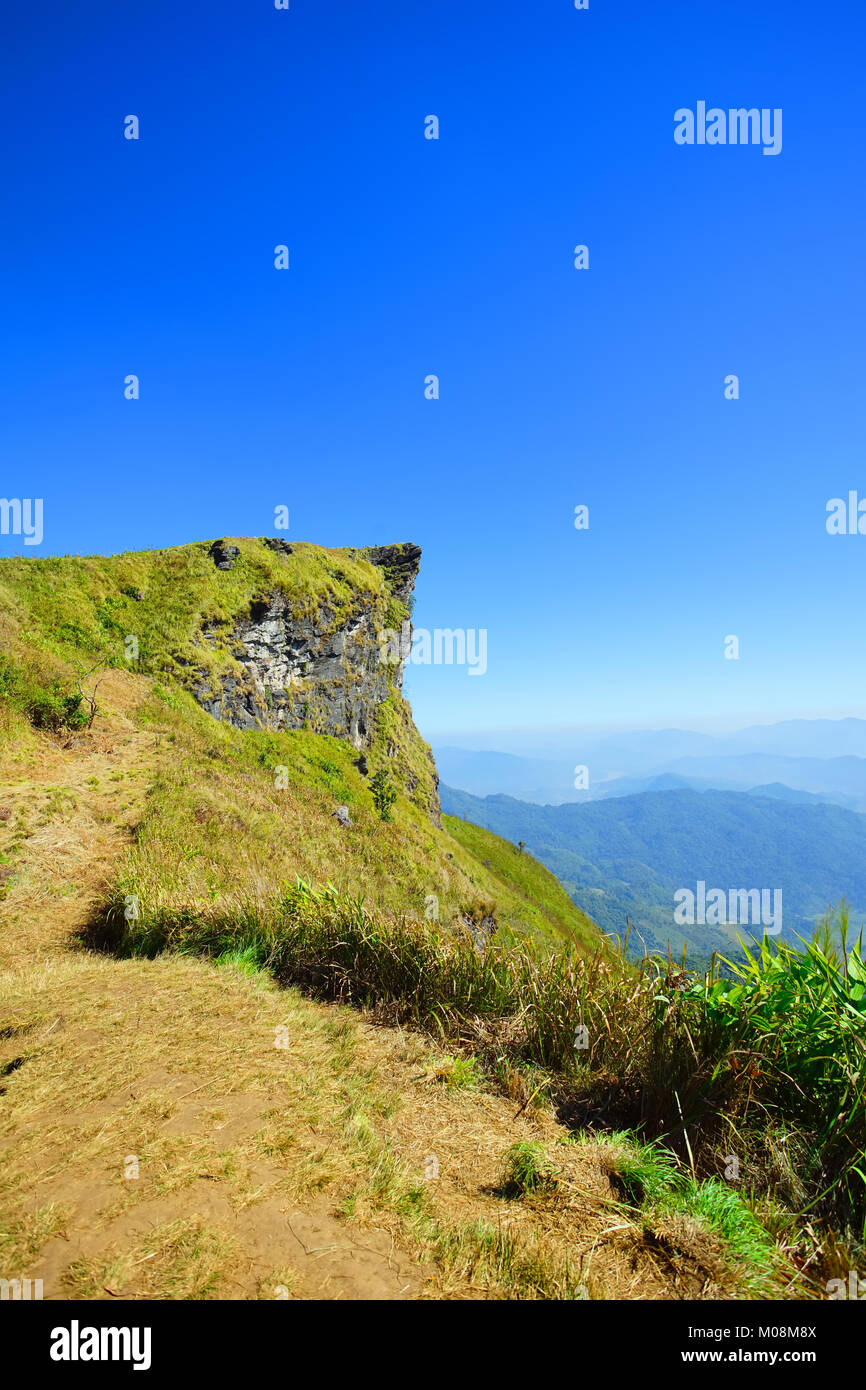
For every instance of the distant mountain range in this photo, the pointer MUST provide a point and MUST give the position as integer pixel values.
(820, 758)
(629, 856)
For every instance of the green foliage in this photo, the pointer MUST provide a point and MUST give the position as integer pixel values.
(51, 709)
(45, 702)
(526, 1170)
(459, 1073)
(651, 1179)
(646, 1172)
(384, 793)
(801, 1015)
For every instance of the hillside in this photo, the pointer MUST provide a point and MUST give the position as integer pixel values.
(272, 1026)
(628, 856)
(283, 649)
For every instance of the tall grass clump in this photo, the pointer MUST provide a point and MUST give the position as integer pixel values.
(796, 1020)
(708, 1063)
(651, 1180)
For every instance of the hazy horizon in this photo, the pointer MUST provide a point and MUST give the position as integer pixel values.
(470, 740)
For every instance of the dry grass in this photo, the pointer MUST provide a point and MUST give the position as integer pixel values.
(62, 828)
(179, 1128)
(255, 1159)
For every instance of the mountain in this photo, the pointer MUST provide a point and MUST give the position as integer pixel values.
(528, 779)
(225, 874)
(823, 757)
(652, 749)
(783, 793)
(828, 778)
(629, 856)
(261, 662)
(800, 738)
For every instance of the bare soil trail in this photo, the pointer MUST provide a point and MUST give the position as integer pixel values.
(176, 1129)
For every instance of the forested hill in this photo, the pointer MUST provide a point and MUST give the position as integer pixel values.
(628, 856)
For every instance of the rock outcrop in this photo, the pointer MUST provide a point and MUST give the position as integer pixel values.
(400, 564)
(302, 671)
(224, 555)
(320, 667)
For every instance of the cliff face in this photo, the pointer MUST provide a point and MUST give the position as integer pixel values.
(298, 671)
(261, 633)
(320, 668)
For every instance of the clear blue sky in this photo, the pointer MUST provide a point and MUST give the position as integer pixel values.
(409, 257)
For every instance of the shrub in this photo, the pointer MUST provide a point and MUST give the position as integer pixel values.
(44, 702)
(384, 793)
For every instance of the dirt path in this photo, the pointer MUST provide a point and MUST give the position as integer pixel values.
(66, 815)
(144, 1142)
(79, 1091)
(179, 1129)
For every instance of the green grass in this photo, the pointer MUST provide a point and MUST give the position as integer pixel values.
(244, 959)
(546, 904)
(256, 808)
(63, 616)
(658, 1056)
(798, 1019)
(652, 1181)
(646, 1173)
(460, 1073)
(527, 1170)
(502, 1265)
(86, 605)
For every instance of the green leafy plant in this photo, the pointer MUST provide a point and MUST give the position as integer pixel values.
(797, 1024)
(384, 793)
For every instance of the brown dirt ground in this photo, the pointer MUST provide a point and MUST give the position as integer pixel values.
(157, 1143)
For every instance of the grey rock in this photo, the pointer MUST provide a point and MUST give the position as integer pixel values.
(286, 664)
(342, 815)
(224, 556)
(480, 931)
(302, 671)
(401, 564)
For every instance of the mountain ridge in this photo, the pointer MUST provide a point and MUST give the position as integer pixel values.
(628, 856)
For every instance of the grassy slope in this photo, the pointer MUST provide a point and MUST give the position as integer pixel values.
(75, 605)
(223, 822)
(62, 616)
(244, 812)
(540, 891)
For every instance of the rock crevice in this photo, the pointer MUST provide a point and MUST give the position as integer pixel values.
(299, 671)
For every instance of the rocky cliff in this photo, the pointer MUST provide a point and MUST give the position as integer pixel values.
(316, 664)
(261, 633)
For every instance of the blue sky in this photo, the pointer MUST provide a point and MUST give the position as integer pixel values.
(455, 257)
